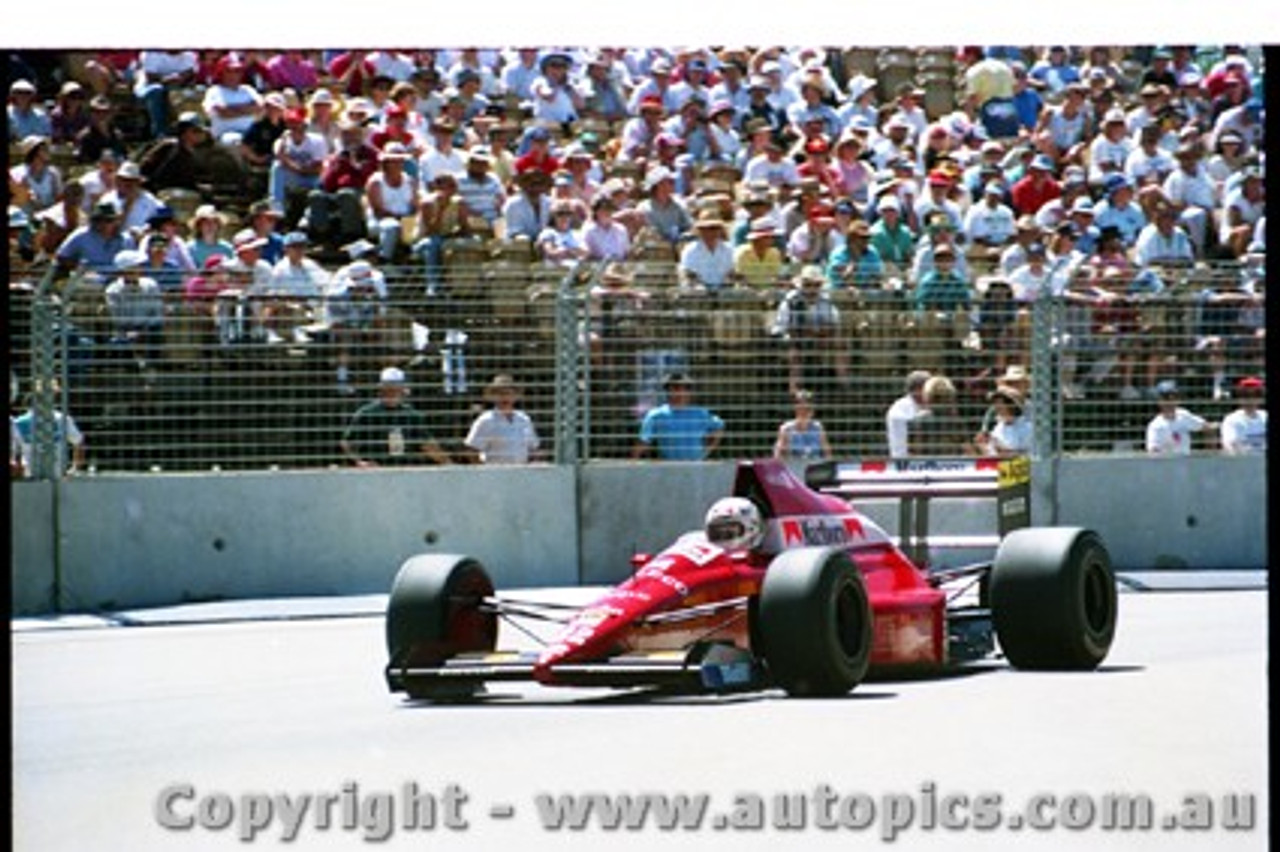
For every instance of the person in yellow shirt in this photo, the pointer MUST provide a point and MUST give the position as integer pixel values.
(758, 263)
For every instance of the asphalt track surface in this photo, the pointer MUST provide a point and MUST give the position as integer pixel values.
(289, 699)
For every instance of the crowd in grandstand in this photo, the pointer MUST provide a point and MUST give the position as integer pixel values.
(968, 180)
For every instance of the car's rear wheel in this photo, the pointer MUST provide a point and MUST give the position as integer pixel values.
(814, 622)
(1053, 598)
(434, 613)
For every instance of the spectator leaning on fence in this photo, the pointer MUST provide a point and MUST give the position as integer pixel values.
(904, 409)
(1171, 431)
(65, 432)
(677, 430)
(504, 434)
(1244, 431)
(389, 431)
(802, 437)
(1011, 433)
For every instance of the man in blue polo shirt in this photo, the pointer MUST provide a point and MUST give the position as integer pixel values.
(95, 245)
(677, 430)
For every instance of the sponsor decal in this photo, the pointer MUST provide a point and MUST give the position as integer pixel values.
(1013, 471)
(821, 530)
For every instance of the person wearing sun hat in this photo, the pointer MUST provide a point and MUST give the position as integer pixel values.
(95, 244)
(809, 321)
(206, 238)
(1011, 434)
(706, 262)
(555, 98)
(758, 262)
(503, 434)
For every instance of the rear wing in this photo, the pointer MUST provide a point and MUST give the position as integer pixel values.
(915, 482)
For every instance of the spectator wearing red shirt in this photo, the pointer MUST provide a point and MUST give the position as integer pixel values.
(539, 155)
(335, 211)
(395, 128)
(1037, 187)
(353, 70)
(817, 165)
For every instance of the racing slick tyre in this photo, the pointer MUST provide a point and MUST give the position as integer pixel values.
(815, 622)
(1053, 598)
(434, 613)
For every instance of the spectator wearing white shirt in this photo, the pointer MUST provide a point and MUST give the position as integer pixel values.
(1244, 431)
(1242, 209)
(1110, 149)
(904, 409)
(518, 75)
(1192, 193)
(503, 434)
(1148, 161)
(990, 224)
(1170, 432)
(231, 104)
(707, 261)
(1162, 242)
(135, 204)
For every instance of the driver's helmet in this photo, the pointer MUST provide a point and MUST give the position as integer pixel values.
(734, 523)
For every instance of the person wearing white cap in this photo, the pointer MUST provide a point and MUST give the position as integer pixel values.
(25, 117)
(890, 236)
(989, 224)
(862, 94)
(355, 300)
(1110, 148)
(136, 305)
(392, 201)
(389, 432)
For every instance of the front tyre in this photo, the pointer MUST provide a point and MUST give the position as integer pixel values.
(434, 613)
(814, 622)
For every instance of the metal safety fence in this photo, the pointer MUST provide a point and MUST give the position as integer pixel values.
(225, 374)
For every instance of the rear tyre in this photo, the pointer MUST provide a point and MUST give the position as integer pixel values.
(814, 622)
(434, 613)
(1053, 598)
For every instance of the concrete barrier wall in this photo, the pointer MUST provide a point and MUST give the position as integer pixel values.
(31, 547)
(153, 540)
(134, 541)
(1194, 512)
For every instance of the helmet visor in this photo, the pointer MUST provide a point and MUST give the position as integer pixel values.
(726, 531)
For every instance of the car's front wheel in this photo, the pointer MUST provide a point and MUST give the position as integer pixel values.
(814, 622)
(435, 612)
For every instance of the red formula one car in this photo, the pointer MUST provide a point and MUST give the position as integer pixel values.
(787, 586)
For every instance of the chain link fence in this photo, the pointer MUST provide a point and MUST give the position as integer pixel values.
(216, 378)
